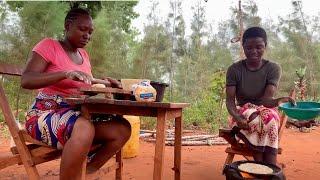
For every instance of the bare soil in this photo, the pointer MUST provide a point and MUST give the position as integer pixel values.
(301, 157)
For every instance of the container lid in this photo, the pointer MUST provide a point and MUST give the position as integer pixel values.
(160, 83)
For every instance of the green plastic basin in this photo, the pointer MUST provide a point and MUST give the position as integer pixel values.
(303, 111)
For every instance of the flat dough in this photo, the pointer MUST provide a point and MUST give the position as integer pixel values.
(255, 168)
(98, 85)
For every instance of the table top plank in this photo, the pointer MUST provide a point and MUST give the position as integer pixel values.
(104, 90)
(100, 100)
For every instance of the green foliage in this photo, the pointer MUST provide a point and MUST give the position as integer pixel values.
(249, 15)
(152, 58)
(121, 13)
(112, 40)
(209, 108)
(20, 100)
(93, 6)
(37, 21)
(301, 72)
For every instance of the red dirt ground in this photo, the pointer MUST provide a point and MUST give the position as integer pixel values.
(301, 157)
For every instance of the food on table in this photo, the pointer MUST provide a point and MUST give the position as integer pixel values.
(143, 91)
(98, 85)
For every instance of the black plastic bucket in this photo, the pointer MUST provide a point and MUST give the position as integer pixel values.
(160, 88)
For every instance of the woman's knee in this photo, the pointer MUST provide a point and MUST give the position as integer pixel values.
(124, 128)
(83, 132)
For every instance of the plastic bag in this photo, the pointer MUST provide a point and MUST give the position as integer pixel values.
(144, 92)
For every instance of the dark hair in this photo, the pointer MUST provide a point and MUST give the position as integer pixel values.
(254, 32)
(74, 13)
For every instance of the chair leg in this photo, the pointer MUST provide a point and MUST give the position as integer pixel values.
(32, 172)
(27, 161)
(229, 158)
(120, 163)
(249, 158)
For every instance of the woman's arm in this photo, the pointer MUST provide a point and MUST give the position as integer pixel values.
(34, 78)
(232, 109)
(269, 101)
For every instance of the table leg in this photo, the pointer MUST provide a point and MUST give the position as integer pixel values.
(120, 168)
(160, 145)
(177, 148)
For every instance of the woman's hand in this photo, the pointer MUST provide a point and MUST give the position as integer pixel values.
(114, 83)
(79, 76)
(242, 122)
(286, 99)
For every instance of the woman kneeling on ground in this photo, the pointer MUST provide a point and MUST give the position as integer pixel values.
(251, 84)
(58, 68)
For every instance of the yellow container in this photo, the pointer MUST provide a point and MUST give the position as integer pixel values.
(131, 148)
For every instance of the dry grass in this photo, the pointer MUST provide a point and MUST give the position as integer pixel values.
(4, 131)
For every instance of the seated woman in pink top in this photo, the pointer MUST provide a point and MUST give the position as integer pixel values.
(58, 69)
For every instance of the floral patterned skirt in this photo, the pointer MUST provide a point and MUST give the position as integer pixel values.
(262, 135)
(50, 120)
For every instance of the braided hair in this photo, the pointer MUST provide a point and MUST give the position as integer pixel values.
(74, 13)
(254, 32)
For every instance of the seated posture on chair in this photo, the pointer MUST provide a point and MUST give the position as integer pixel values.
(250, 87)
(58, 68)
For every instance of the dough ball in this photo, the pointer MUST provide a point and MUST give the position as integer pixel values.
(98, 86)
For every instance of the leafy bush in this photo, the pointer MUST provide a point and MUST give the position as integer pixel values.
(208, 110)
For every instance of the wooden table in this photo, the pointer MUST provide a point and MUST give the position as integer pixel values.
(163, 112)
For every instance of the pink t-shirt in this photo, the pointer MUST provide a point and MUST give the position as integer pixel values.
(52, 52)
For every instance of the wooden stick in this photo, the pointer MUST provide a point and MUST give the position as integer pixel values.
(169, 130)
(191, 138)
(194, 143)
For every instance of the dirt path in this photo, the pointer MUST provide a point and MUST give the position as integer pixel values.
(301, 156)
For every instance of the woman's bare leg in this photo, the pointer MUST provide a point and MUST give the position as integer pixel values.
(270, 158)
(258, 156)
(112, 135)
(76, 149)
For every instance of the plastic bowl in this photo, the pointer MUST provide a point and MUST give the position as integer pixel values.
(303, 111)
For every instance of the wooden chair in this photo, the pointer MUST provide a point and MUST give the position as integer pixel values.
(28, 151)
(238, 148)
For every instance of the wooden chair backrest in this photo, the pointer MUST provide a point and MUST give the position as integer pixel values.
(12, 70)
(24, 154)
